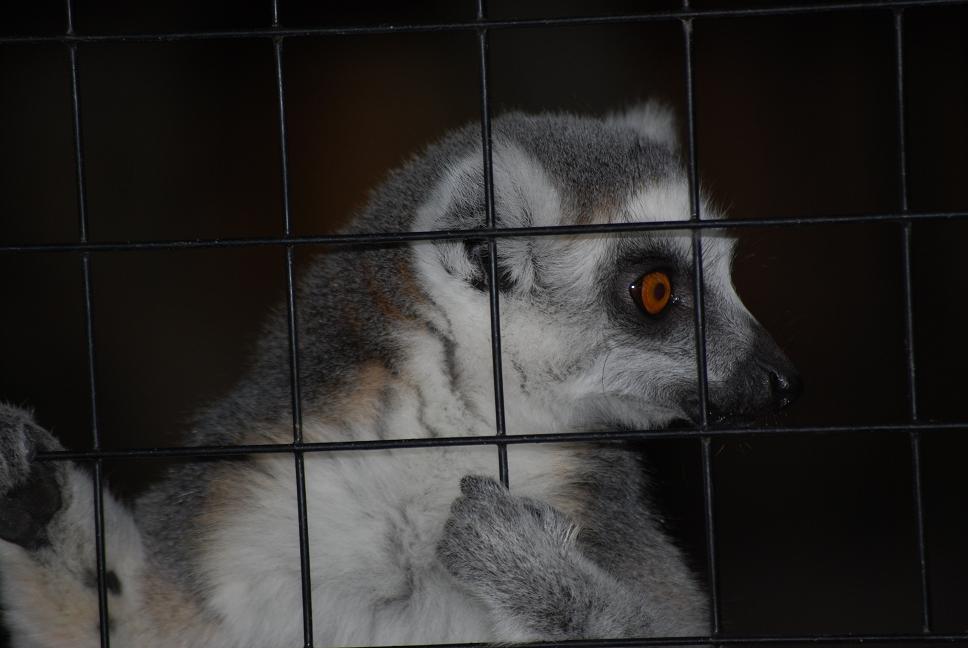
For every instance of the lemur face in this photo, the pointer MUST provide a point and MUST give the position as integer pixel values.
(598, 330)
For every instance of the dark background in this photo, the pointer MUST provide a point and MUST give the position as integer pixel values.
(795, 116)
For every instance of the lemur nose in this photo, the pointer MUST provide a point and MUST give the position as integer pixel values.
(785, 386)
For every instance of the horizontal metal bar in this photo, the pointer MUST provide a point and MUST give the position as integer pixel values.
(510, 439)
(696, 641)
(497, 233)
(825, 639)
(351, 30)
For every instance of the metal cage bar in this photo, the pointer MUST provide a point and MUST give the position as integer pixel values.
(299, 463)
(560, 437)
(699, 315)
(98, 474)
(826, 639)
(482, 234)
(475, 25)
(909, 343)
(492, 275)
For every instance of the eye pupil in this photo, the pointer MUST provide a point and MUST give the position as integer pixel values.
(652, 292)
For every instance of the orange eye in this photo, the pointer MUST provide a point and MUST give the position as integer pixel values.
(652, 292)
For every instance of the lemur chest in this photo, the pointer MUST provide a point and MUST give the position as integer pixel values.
(374, 520)
(385, 510)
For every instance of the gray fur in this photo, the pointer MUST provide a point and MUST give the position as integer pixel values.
(578, 551)
(522, 557)
(29, 490)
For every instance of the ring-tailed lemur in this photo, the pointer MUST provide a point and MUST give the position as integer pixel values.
(423, 545)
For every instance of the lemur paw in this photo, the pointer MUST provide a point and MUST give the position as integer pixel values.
(496, 543)
(30, 491)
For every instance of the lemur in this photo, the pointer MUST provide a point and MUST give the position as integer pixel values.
(424, 545)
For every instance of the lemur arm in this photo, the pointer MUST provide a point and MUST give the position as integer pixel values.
(621, 534)
(521, 557)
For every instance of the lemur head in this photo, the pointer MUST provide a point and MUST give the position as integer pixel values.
(597, 329)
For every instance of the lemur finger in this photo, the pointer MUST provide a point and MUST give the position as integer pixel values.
(472, 485)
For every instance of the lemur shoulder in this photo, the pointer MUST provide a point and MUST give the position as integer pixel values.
(423, 545)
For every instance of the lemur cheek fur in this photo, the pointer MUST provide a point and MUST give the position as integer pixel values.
(423, 545)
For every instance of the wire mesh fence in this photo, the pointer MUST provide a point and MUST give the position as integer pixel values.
(705, 431)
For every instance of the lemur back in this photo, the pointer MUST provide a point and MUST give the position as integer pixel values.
(423, 545)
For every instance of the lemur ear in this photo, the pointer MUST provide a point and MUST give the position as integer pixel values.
(479, 255)
(652, 119)
(524, 196)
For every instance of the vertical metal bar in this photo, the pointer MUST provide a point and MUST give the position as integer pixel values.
(709, 520)
(902, 173)
(915, 437)
(700, 325)
(493, 293)
(919, 521)
(98, 481)
(69, 16)
(291, 319)
(694, 202)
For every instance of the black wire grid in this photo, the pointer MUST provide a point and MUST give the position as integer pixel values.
(704, 431)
